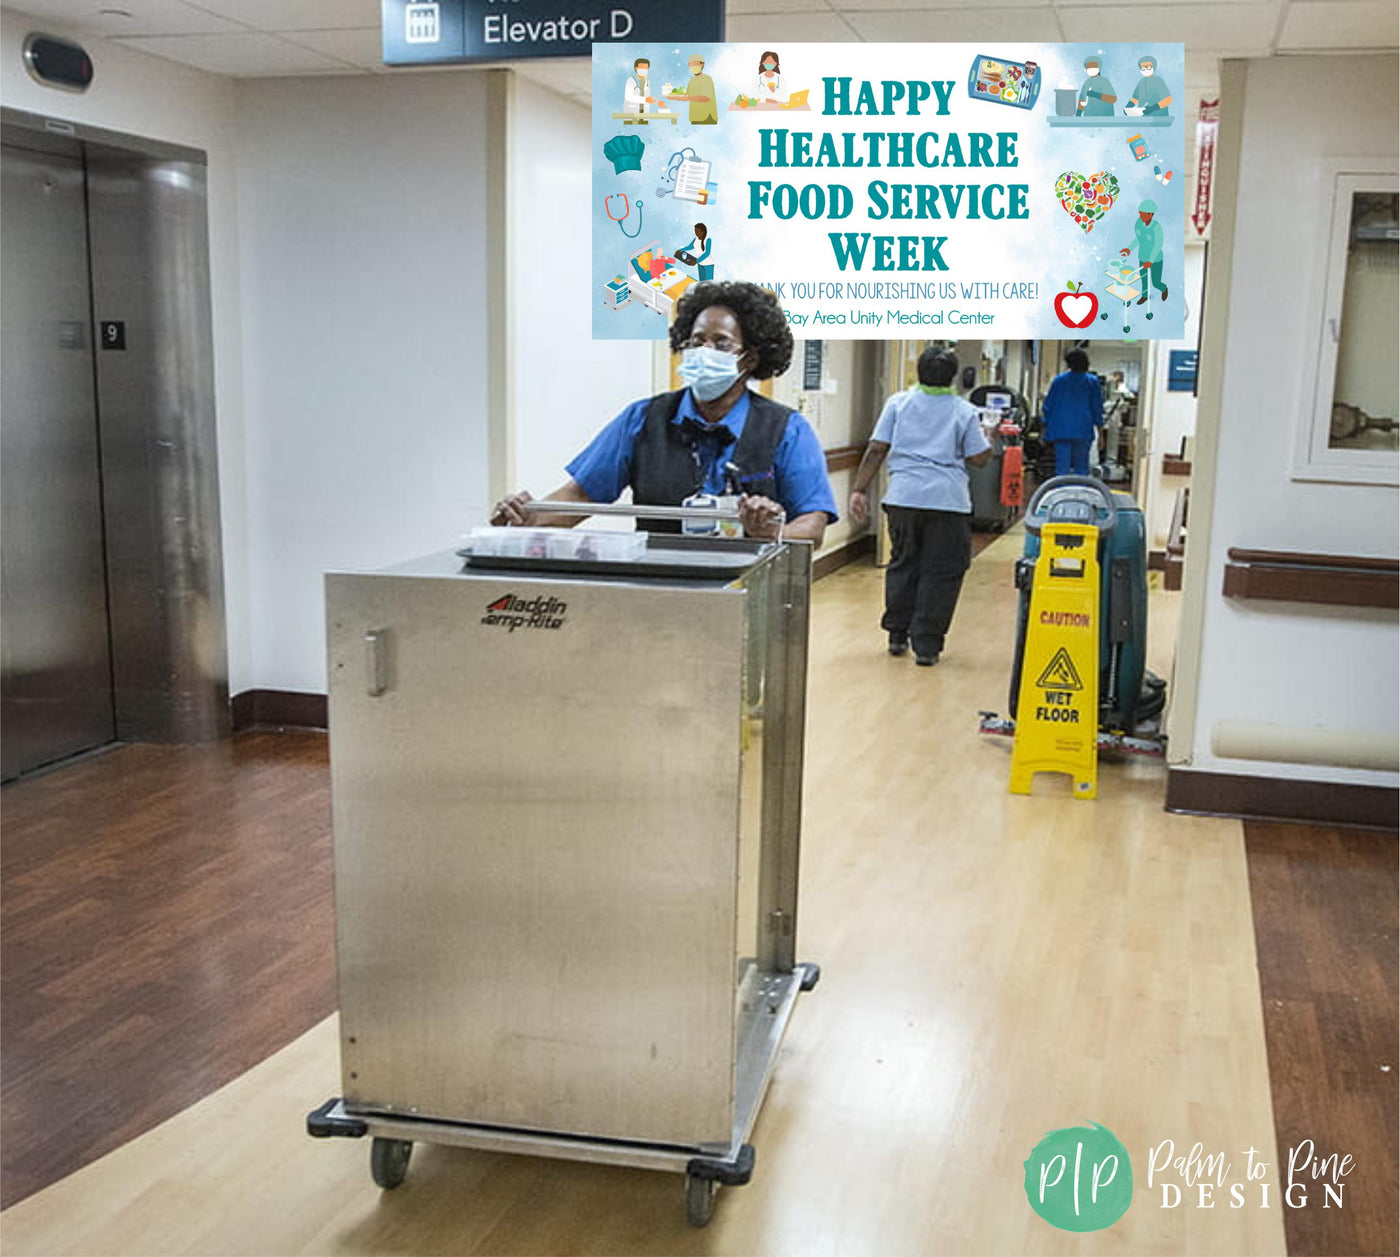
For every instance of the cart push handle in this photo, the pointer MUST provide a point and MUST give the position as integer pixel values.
(1081, 490)
(547, 506)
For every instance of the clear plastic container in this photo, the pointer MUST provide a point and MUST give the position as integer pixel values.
(559, 543)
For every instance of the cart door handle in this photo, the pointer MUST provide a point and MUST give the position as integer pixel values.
(376, 661)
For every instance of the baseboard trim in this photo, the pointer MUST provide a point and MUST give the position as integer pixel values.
(1281, 799)
(849, 553)
(278, 709)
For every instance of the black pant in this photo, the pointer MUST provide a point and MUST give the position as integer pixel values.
(931, 551)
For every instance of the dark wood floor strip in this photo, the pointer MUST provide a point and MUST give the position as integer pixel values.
(166, 924)
(1325, 921)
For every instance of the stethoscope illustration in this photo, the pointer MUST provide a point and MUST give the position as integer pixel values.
(627, 207)
(673, 167)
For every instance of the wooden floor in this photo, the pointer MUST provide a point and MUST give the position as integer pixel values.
(1325, 920)
(994, 967)
(167, 924)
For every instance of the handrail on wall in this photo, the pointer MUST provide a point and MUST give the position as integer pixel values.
(1339, 580)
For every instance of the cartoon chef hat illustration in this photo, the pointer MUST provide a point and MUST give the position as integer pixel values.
(625, 152)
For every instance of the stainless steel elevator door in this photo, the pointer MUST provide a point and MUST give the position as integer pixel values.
(56, 687)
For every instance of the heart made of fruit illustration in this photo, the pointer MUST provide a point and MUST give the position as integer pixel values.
(1086, 198)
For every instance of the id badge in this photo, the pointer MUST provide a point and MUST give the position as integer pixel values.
(712, 527)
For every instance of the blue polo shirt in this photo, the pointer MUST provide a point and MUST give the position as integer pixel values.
(930, 435)
(604, 469)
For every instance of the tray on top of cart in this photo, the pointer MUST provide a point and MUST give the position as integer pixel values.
(579, 553)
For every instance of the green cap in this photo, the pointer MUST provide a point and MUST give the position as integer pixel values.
(1149, 206)
(1088, 61)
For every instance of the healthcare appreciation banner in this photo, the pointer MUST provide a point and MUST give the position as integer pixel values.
(892, 190)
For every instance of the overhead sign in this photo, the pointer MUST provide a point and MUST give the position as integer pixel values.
(890, 190)
(1207, 127)
(447, 32)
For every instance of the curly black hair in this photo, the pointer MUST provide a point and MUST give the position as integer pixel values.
(760, 319)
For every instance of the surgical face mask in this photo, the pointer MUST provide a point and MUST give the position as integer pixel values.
(1093, 70)
(709, 372)
(768, 65)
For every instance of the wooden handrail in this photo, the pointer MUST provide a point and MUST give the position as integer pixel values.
(1339, 580)
(843, 457)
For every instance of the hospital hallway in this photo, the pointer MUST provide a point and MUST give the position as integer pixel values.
(993, 967)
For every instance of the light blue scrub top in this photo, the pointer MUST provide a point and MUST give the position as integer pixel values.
(930, 436)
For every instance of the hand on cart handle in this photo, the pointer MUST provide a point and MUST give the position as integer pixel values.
(761, 517)
(507, 511)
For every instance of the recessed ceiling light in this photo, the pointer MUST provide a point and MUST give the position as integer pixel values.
(114, 13)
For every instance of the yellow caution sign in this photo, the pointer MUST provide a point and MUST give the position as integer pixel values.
(1057, 713)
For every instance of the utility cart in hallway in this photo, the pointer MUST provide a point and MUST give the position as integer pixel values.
(567, 809)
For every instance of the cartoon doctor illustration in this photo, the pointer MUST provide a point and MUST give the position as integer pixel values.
(638, 95)
(1151, 95)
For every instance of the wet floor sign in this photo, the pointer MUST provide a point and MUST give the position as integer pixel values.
(1057, 713)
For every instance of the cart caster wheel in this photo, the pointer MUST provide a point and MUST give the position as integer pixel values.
(388, 1161)
(1149, 316)
(700, 1196)
(1104, 315)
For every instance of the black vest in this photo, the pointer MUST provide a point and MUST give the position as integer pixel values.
(667, 467)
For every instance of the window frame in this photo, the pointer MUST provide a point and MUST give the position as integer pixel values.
(1314, 457)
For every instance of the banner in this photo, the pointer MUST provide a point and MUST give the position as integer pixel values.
(1207, 125)
(893, 190)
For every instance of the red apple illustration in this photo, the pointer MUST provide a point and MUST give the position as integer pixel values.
(1075, 307)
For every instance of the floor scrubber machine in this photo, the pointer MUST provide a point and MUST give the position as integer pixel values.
(1131, 698)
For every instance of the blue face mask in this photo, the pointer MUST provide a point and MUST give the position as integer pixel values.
(709, 372)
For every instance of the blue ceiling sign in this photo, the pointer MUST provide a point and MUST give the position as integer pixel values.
(459, 32)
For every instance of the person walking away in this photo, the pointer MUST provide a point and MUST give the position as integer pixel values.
(931, 436)
(1073, 414)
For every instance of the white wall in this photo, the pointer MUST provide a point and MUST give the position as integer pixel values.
(1173, 415)
(364, 245)
(145, 96)
(1285, 663)
(833, 416)
(566, 385)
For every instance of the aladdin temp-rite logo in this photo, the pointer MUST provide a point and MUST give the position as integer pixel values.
(512, 612)
(1080, 1178)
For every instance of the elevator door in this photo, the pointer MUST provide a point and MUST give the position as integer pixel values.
(56, 687)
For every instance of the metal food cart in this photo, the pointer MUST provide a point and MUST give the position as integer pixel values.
(567, 812)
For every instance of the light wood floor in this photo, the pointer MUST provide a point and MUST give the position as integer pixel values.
(993, 968)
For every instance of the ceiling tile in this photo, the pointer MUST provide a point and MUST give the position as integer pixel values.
(565, 75)
(364, 48)
(739, 8)
(295, 15)
(796, 28)
(957, 25)
(1340, 24)
(148, 17)
(1237, 27)
(248, 54)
